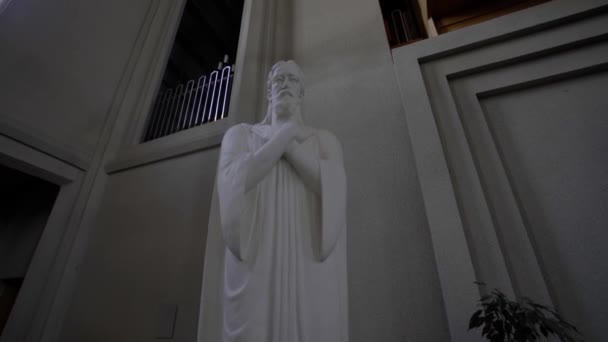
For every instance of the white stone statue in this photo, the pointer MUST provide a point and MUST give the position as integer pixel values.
(282, 203)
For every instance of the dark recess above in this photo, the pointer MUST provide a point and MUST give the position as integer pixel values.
(209, 29)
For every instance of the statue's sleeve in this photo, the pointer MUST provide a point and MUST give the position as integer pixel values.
(235, 204)
(333, 193)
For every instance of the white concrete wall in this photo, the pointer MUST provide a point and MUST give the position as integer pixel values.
(508, 123)
(351, 90)
(60, 64)
(556, 151)
(146, 251)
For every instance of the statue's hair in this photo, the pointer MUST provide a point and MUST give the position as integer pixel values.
(274, 68)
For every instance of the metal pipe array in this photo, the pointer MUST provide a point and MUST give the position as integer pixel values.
(198, 102)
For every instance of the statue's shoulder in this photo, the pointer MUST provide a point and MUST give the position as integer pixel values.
(239, 128)
(237, 131)
(329, 142)
(327, 137)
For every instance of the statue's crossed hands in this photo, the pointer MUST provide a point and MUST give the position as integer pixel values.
(295, 131)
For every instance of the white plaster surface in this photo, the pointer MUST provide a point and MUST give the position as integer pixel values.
(146, 252)
(553, 141)
(61, 62)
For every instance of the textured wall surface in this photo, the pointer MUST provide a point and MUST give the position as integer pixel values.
(146, 252)
(556, 150)
(60, 64)
(507, 125)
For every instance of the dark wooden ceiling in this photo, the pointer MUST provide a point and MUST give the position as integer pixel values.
(209, 29)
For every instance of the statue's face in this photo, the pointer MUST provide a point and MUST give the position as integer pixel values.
(285, 85)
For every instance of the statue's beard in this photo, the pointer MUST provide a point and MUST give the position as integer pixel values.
(285, 108)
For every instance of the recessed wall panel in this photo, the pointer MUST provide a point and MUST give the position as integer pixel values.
(552, 139)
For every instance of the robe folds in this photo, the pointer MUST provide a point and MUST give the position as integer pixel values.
(285, 257)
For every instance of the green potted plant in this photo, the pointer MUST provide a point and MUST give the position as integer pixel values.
(503, 320)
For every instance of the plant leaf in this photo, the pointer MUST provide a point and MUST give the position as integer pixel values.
(475, 320)
(486, 330)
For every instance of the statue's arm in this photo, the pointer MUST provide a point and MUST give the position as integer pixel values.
(262, 160)
(306, 163)
(231, 176)
(333, 193)
(322, 170)
(239, 165)
(239, 170)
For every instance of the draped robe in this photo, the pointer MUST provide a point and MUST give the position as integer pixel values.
(285, 258)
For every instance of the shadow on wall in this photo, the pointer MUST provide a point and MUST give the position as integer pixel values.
(25, 205)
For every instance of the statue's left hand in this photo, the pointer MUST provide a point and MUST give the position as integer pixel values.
(303, 135)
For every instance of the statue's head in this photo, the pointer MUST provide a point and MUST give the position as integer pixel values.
(285, 88)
